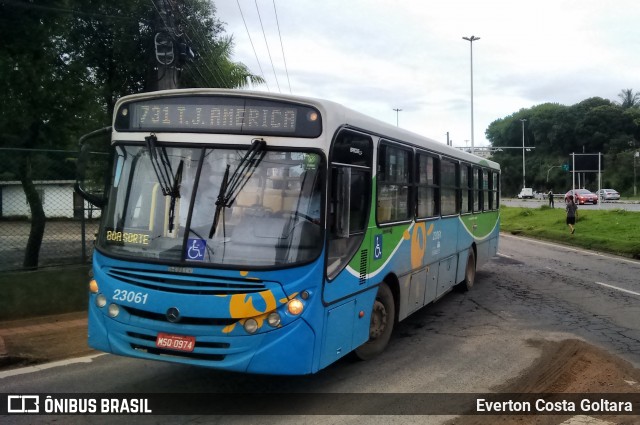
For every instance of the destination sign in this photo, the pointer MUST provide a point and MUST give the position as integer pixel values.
(218, 114)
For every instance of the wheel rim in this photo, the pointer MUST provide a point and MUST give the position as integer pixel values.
(378, 320)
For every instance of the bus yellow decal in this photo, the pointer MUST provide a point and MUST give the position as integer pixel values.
(419, 243)
(241, 305)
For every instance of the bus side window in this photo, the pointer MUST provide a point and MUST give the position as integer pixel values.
(394, 183)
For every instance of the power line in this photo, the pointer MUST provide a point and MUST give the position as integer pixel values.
(197, 75)
(252, 46)
(205, 44)
(286, 70)
(267, 44)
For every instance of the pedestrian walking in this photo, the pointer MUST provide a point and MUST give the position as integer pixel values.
(572, 214)
(550, 194)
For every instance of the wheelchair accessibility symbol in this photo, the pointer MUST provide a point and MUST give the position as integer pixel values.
(196, 249)
(377, 249)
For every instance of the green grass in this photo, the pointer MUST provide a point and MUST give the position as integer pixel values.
(614, 231)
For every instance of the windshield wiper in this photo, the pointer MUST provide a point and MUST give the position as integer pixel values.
(175, 194)
(220, 202)
(169, 182)
(161, 164)
(231, 187)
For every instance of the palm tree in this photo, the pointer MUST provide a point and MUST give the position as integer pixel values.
(629, 99)
(213, 67)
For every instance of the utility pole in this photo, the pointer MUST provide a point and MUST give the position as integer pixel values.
(397, 115)
(636, 155)
(471, 40)
(523, 148)
(165, 48)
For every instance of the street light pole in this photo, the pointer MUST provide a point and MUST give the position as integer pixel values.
(551, 168)
(397, 115)
(471, 40)
(523, 167)
(636, 155)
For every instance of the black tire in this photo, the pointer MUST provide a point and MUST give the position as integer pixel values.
(383, 318)
(469, 273)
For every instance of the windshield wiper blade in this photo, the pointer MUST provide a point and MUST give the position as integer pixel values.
(231, 187)
(175, 194)
(245, 170)
(169, 183)
(160, 163)
(220, 202)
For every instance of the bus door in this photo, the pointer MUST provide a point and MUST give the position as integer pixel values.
(347, 251)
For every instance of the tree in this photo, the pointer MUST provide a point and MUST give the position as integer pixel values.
(629, 99)
(116, 42)
(590, 126)
(64, 63)
(211, 65)
(39, 105)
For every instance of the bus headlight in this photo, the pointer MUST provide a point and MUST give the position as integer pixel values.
(101, 300)
(295, 306)
(93, 286)
(114, 310)
(251, 326)
(273, 319)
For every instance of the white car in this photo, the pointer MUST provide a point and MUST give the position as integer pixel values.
(608, 194)
(526, 192)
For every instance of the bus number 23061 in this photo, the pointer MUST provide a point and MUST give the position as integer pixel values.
(130, 296)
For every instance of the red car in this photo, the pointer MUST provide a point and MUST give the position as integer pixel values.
(582, 196)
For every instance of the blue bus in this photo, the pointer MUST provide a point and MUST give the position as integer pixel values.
(275, 234)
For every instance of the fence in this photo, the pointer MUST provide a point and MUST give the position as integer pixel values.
(70, 224)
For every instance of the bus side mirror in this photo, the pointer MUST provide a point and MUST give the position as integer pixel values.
(91, 170)
(343, 201)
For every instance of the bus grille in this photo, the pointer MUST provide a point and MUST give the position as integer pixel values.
(183, 283)
(184, 320)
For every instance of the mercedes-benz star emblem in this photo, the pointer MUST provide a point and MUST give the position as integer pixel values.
(173, 315)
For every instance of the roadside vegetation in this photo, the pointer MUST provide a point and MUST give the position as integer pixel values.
(64, 64)
(553, 132)
(613, 231)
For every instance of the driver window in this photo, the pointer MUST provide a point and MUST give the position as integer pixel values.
(349, 198)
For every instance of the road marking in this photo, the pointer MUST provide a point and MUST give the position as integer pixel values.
(570, 248)
(619, 289)
(38, 368)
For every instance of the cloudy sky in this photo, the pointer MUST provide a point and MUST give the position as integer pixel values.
(379, 55)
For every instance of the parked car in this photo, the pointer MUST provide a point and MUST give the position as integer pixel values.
(526, 192)
(582, 196)
(608, 194)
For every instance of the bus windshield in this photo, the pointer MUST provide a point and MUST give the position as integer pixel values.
(165, 199)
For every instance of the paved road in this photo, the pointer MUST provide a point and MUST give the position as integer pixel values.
(537, 203)
(473, 342)
(594, 296)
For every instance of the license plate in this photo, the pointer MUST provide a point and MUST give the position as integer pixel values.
(176, 342)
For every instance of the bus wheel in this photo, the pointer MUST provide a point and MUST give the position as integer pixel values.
(383, 318)
(469, 273)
